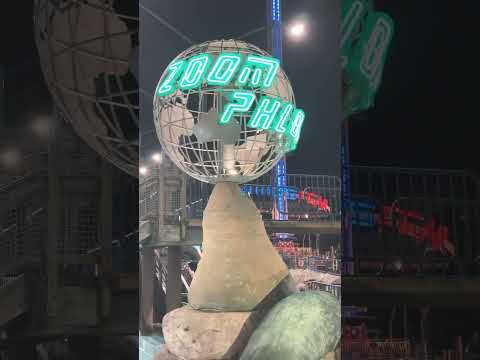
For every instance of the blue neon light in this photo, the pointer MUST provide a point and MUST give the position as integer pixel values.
(290, 192)
(280, 172)
(276, 10)
(363, 212)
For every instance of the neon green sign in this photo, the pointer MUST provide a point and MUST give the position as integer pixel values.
(366, 36)
(194, 72)
(224, 69)
(240, 102)
(245, 73)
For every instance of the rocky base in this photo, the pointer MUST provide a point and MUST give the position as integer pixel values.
(302, 326)
(197, 335)
(164, 354)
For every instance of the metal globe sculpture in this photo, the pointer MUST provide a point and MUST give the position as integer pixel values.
(88, 52)
(199, 117)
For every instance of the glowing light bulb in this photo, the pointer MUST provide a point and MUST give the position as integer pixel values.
(157, 157)
(297, 30)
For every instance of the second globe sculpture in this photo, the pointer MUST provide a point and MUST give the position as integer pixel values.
(225, 113)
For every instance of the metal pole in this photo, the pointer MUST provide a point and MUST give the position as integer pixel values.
(147, 269)
(174, 280)
(174, 254)
(105, 232)
(275, 45)
(346, 216)
(405, 322)
(54, 220)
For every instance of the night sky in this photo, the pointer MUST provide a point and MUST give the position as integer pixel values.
(422, 117)
(25, 90)
(424, 114)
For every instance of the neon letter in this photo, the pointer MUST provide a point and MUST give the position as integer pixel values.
(240, 101)
(283, 117)
(224, 69)
(168, 85)
(374, 56)
(295, 126)
(265, 113)
(260, 66)
(352, 14)
(196, 68)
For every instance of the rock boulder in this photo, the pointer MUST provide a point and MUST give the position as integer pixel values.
(303, 326)
(197, 335)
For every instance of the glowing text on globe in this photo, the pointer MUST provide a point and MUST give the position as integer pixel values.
(245, 75)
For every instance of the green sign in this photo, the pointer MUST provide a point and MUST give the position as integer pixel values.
(366, 36)
(247, 73)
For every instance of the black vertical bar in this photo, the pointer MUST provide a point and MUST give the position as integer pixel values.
(383, 236)
(399, 248)
(413, 204)
(476, 224)
(346, 194)
(440, 204)
(355, 175)
(370, 184)
(468, 248)
(424, 198)
(453, 202)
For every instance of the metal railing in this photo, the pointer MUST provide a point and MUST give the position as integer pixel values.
(6, 281)
(379, 348)
(416, 217)
(148, 198)
(310, 197)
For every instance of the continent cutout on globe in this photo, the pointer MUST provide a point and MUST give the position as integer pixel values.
(207, 129)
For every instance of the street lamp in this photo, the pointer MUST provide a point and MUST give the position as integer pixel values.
(157, 157)
(143, 170)
(297, 30)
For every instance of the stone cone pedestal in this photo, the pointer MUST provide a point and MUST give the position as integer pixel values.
(239, 265)
(240, 276)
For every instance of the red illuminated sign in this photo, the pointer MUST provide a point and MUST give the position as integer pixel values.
(287, 247)
(429, 230)
(314, 200)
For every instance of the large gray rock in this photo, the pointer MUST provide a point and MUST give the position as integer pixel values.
(334, 355)
(164, 354)
(199, 335)
(303, 326)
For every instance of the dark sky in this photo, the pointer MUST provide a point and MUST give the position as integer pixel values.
(24, 85)
(425, 112)
(421, 117)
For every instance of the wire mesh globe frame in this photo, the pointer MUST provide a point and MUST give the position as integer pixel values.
(178, 121)
(88, 54)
